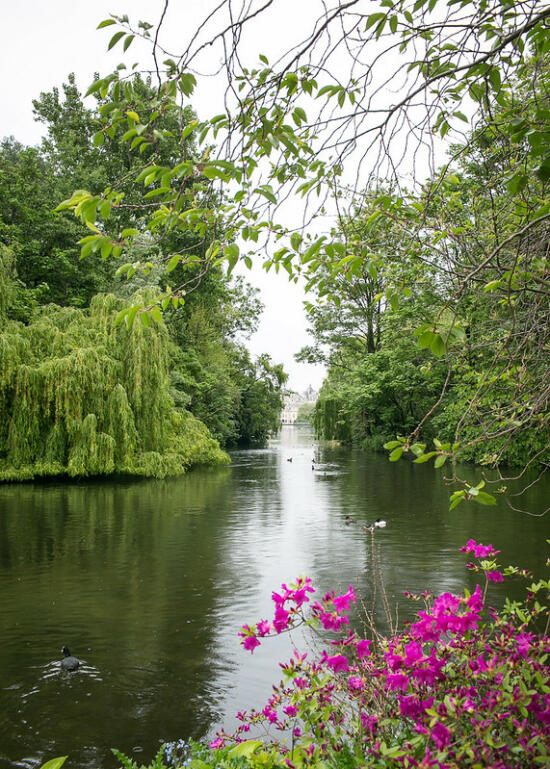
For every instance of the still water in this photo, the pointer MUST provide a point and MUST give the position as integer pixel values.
(148, 583)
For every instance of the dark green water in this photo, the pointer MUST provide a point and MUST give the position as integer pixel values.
(148, 583)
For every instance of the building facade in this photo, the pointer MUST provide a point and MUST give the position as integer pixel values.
(292, 403)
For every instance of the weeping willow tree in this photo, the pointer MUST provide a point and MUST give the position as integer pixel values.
(81, 396)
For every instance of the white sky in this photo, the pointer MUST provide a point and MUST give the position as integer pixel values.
(41, 42)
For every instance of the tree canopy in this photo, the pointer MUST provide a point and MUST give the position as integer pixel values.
(350, 119)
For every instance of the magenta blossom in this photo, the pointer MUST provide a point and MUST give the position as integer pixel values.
(355, 682)
(263, 628)
(480, 551)
(397, 681)
(494, 576)
(337, 662)
(362, 648)
(440, 735)
(270, 714)
(250, 643)
(342, 602)
(281, 619)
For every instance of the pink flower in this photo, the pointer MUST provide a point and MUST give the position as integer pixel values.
(412, 707)
(332, 621)
(250, 643)
(413, 653)
(440, 735)
(280, 621)
(355, 682)
(395, 661)
(369, 722)
(397, 681)
(342, 602)
(494, 576)
(217, 743)
(523, 641)
(290, 710)
(270, 714)
(263, 628)
(480, 551)
(337, 662)
(362, 648)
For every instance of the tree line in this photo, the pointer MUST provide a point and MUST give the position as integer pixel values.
(80, 394)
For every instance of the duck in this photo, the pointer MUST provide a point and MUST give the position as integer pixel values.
(379, 523)
(348, 519)
(289, 459)
(69, 663)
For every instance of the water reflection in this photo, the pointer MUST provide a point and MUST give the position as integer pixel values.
(148, 582)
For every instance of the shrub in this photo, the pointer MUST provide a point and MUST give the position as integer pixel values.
(462, 686)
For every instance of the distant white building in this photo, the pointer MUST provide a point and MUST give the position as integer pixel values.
(292, 403)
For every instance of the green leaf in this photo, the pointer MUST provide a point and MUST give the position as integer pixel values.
(424, 458)
(130, 315)
(543, 170)
(392, 444)
(54, 763)
(196, 763)
(105, 23)
(456, 500)
(187, 83)
(114, 40)
(483, 498)
(245, 749)
(396, 454)
(128, 42)
(437, 346)
(173, 262)
(267, 191)
(373, 18)
(440, 460)
(156, 314)
(145, 318)
(232, 251)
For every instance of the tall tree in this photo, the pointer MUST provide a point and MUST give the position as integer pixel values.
(368, 87)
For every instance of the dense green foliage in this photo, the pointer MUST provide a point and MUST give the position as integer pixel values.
(81, 397)
(95, 397)
(462, 255)
(466, 343)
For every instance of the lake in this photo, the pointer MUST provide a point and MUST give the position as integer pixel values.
(148, 583)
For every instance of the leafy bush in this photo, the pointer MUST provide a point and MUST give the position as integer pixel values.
(461, 686)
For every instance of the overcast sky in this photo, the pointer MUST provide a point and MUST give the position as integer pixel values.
(43, 41)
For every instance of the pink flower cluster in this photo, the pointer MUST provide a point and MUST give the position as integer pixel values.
(492, 574)
(287, 605)
(479, 551)
(452, 678)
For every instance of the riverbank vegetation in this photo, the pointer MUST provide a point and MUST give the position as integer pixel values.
(80, 394)
(463, 343)
(429, 296)
(461, 685)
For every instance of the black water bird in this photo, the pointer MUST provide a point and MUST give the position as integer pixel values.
(69, 663)
(348, 519)
(289, 459)
(379, 523)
